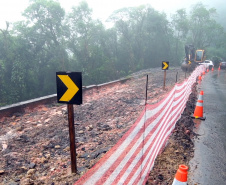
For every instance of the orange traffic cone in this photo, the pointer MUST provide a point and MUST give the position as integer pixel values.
(198, 114)
(203, 73)
(207, 70)
(200, 77)
(181, 175)
(212, 68)
(219, 68)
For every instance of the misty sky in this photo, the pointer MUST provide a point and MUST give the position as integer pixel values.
(10, 10)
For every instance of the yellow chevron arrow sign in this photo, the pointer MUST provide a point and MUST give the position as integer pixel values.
(69, 90)
(165, 65)
(72, 88)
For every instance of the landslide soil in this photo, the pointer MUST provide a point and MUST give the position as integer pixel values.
(34, 145)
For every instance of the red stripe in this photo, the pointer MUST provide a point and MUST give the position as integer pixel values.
(109, 153)
(149, 148)
(122, 156)
(146, 140)
(153, 106)
(187, 91)
(158, 147)
(140, 147)
(156, 154)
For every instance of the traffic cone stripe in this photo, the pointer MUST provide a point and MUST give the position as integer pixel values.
(176, 182)
(199, 104)
(200, 98)
(198, 113)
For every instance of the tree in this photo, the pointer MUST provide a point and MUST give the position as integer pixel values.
(180, 25)
(43, 31)
(48, 41)
(87, 43)
(143, 37)
(12, 67)
(199, 28)
(203, 27)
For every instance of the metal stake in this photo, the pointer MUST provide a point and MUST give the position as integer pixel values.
(164, 85)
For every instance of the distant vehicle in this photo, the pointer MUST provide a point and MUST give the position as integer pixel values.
(193, 57)
(223, 65)
(208, 64)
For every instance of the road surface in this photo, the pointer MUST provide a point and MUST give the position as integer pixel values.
(208, 167)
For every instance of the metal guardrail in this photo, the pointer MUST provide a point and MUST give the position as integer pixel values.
(20, 107)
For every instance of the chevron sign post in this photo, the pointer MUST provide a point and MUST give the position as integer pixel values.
(165, 66)
(69, 91)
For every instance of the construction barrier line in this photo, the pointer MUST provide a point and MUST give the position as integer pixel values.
(132, 158)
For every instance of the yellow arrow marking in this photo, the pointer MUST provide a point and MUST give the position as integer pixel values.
(166, 65)
(72, 88)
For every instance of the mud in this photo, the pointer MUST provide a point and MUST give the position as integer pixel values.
(34, 146)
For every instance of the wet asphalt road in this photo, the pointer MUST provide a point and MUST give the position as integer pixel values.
(208, 167)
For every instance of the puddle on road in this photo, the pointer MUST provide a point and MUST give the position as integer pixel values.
(197, 124)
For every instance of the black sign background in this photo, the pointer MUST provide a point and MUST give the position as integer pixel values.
(164, 65)
(76, 77)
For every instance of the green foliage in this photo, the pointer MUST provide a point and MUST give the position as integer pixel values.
(143, 37)
(48, 40)
(200, 28)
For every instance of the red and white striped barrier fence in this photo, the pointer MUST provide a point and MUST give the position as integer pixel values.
(132, 158)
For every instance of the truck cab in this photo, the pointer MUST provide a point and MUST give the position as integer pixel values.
(199, 55)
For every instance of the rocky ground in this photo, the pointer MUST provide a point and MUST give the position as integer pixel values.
(34, 146)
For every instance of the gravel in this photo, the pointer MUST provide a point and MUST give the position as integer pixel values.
(34, 146)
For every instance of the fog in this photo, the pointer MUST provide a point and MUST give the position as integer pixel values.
(11, 10)
(32, 51)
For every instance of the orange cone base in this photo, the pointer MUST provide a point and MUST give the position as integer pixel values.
(198, 111)
(196, 117)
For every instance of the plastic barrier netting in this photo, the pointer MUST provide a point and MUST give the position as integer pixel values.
(132, 158)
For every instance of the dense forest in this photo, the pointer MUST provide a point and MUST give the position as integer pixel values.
(50, 40)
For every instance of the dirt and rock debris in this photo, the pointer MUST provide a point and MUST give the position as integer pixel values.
(34, 146)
